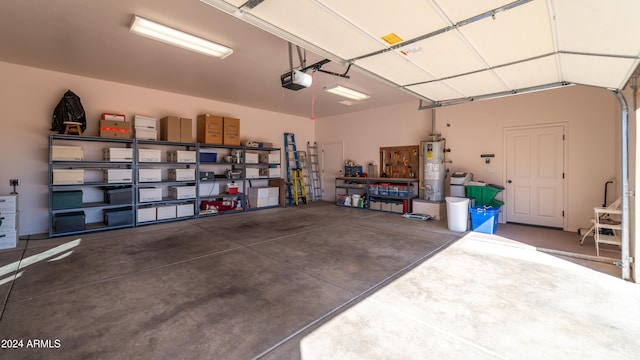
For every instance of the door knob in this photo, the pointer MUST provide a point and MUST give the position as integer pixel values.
(509, 181)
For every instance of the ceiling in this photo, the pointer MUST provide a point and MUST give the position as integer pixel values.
(447, 50)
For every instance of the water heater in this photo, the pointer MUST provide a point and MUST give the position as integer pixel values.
(433, 171)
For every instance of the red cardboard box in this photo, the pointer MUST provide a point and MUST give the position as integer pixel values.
(115, 129)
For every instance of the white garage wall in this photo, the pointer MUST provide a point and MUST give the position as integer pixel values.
(476, 128)
(29, 95)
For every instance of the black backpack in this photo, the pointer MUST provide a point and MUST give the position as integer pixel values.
(68, 109)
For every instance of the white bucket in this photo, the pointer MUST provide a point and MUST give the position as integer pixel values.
(457, 213)
(354, 200)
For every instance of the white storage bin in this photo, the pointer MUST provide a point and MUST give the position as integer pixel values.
(181, 156)
(182, 174)
(264, 191)
(8, 239)
(209, 188)
(146, 214)
(182, 192)
(149, 194)
(143, 122)
(68, 176)
(397, 208)
(8, 221)
(118, 154)
(149, 155)
(252, 173)
(251, 158)
(270, 158)
(166, 212)
(183, 210)
(8, 204)
(118, 175)
(146, 134)
(149, 175)
(67, 153)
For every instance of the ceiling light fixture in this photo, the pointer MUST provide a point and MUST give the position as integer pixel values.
(153, 30)
(346, 92)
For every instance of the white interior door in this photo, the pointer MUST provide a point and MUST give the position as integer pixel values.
(535, 175)
(332, 166)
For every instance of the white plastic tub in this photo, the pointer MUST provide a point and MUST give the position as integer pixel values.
(457, 213)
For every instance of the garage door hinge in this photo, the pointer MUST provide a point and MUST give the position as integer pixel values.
(562, 213)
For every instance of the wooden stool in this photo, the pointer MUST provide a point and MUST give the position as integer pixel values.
(72, 127)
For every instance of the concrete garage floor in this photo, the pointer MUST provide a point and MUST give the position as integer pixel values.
(314, 282)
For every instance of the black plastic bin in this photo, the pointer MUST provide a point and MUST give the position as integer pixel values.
(71, 221)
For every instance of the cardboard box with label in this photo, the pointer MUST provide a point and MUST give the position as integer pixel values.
(115, 129)
(209, 129)
(231, 131)
(186, 130)
(170, 128)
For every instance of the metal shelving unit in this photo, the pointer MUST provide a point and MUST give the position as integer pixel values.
(213, 177)
(394, 196)
(93, 202)
(93, 198)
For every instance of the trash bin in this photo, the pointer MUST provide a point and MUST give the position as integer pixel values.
(457, 213)
(484, 219)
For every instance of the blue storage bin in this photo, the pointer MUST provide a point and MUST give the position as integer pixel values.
(484, 219)
(208, 156)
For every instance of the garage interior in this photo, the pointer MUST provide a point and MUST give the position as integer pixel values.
(320, 280)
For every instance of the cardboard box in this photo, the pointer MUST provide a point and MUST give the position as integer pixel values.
(149, 155)
(252, 173)
(68, 176)
(186, 130)
(146, 214)
(250, 158)
(181, 156)
(170, 128)
(209, 189)
(149, 175)
(146, 134)
(270, 172)
(231, 131)
(182, 174)
(8, 239)
(437, 210)
(115, 129)
(114, 117)
(271, 158)
(263, 192)
(182, 192)
(257, 202)
(149, 194)
(143, 122)
(166, 212)
(209, 129)
(9, 220)
(183, 210)
(67, 153)
(118, 175)
(117, 154)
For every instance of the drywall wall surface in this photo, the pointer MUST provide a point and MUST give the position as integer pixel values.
(590, 114)
(30, 95)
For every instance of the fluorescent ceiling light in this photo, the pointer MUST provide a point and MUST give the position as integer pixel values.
(175, 37)
(346, 92)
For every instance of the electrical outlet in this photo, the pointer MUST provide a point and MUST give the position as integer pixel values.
(14, 182)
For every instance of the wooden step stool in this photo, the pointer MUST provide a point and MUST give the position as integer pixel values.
(72, 127)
